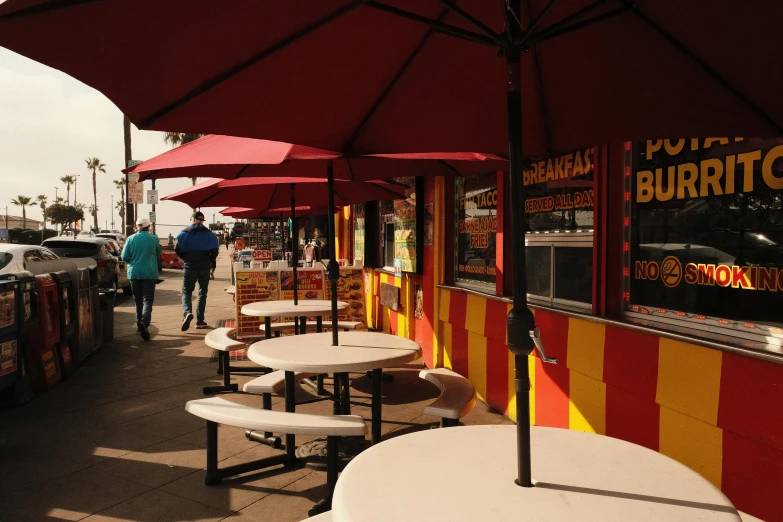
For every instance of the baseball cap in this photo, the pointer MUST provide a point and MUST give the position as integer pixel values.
(198, 215)
(143, 223)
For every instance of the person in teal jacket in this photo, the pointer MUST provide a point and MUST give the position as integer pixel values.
(142, 252)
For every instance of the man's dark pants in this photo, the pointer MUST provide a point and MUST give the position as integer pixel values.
(144, 296)
(190, 276)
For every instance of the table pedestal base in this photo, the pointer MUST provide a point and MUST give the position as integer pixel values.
(313, 454)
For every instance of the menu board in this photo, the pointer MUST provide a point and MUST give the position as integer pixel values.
(350, 289)
(358, 232)
(405, 234)
(253, 286)
(311, 284)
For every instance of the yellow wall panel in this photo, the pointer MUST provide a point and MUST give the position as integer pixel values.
(445, 302)
(689, 379)
(586, 347)
(587, 404)
(696, 444)
(476, 312)
(477, 364)
(447, 345)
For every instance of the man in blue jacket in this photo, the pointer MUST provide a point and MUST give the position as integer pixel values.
(198, 247)
(141, 252)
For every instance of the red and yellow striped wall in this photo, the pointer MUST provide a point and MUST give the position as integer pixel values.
(716, 412)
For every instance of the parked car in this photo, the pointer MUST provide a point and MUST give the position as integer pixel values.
(122, 267)
(15, 258)
(116, 236)
(93, 247)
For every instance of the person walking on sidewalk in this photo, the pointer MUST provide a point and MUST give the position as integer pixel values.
(198, 247)
(141, 252)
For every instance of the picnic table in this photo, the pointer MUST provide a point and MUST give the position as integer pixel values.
(468, 473)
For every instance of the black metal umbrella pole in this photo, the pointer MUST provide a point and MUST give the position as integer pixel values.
(333, 268)
(294, 247)
(521, 327)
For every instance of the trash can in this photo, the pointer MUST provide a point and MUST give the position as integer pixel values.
(41, 361)
(97, 319)
(85, 334)
(106, 298)
(66, 347)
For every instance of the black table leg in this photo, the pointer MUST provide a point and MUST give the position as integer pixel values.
(319, 324)
(377, 394)
(268, 326)
(337, 396)
(290, 406)
(303, 325)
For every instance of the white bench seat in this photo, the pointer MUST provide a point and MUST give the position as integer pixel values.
(343, 325)
(221, 411)
(457, 395)
(222, 339)
(231, 290)
(272, 382)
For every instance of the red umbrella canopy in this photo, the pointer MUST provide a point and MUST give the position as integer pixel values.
(229, 157)
(275, 193)
(254, 213)
(368, 80)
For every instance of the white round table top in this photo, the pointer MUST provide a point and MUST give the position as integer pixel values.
(357, 351)
(284, 308)
(467, 474)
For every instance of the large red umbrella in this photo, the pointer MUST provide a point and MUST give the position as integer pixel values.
(370, 76)
(230, 157)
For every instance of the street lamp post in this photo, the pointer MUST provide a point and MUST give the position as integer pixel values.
(112, 212)
(55, 195)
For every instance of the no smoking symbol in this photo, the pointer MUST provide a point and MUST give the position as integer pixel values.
(671, 271)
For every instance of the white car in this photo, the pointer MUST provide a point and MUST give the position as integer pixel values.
(16, 258)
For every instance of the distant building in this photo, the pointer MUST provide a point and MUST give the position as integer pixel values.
(10, 222)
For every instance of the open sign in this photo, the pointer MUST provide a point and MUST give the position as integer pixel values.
(262, 255)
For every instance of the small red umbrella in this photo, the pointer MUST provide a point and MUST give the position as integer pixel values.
(273, 193)
(254, 213)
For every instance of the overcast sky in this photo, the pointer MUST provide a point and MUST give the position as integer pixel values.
(49, 124)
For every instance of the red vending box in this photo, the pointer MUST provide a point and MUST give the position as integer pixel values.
(42, 362)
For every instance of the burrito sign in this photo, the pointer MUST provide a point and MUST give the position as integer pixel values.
(715, 174)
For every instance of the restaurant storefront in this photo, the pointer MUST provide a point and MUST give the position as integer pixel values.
(655, 271)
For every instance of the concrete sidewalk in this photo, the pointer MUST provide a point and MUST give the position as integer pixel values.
(114, 442)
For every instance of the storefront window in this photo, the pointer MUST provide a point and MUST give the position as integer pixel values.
(358, 232)
(477, 215)
(706, 234)
(559, 241)
(397, 227)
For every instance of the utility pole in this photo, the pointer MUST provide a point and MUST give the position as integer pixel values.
(154, 228)
(112, 211)
(129, 209)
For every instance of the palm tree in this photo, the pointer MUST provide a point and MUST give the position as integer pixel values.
(175, 139)
(41, 199)
(68, 180)
(120, 184)
(22, 201)
(95, 165)
(93, 209)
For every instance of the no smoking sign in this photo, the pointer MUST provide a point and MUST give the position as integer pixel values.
(671, 271)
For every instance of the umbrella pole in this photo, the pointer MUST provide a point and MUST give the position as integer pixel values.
(520, 320)
(282, 237)
(294, 246)
(332, 269)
